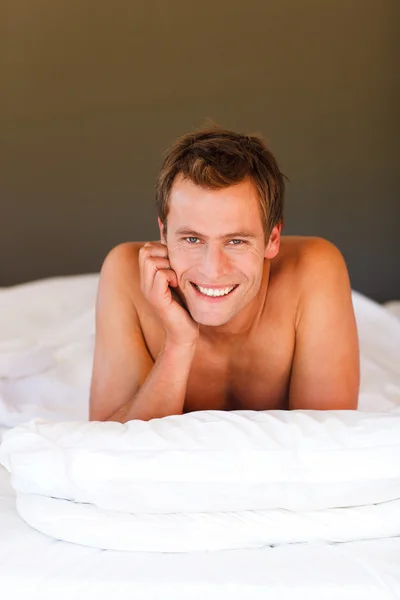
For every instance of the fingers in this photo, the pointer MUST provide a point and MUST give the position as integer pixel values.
(152, 249)
(160, 292)
(153, 258)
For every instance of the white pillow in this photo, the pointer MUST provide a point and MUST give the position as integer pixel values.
(209, 479)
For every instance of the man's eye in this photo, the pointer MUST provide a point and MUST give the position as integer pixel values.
(195, 238)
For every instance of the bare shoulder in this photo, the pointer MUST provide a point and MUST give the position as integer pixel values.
(310, 266)
(121, 266)
(306, 257)
(124, 254)
(319, 261)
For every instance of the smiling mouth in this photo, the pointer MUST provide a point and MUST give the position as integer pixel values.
(212, 297)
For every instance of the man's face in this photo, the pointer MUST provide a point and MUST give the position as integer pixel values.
(215, 238)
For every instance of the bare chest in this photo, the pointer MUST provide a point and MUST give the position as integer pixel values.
(253, 377)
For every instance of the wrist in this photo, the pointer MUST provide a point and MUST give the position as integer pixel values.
(171, 345)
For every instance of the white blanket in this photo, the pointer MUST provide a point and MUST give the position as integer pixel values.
(210, 480)
(207, 480)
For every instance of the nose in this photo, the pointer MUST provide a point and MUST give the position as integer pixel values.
(215, 264)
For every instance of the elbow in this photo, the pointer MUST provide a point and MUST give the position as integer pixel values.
(95, 414)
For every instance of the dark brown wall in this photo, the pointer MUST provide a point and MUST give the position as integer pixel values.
(93, 93)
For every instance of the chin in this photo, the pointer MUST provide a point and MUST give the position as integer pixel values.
(209, 320)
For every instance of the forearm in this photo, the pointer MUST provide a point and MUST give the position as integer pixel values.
(163, 393)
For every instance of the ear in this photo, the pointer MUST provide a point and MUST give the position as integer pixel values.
(272, 248)
(161, 228)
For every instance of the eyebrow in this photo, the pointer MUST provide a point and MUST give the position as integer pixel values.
(244, 233)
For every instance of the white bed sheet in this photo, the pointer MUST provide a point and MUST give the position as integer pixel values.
(34, 566)
(46, 346)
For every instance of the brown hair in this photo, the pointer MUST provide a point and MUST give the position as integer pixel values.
(215, 158)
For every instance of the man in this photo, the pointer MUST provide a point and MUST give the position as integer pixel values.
(222, 312)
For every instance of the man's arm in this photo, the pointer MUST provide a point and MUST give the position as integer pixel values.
(126, 383)
(326, 367)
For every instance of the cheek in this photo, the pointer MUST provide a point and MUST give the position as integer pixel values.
(179, 260)
(249, 265)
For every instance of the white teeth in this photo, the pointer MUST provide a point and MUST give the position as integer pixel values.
(210, 292)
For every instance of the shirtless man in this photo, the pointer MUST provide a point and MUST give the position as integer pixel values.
(282, 333)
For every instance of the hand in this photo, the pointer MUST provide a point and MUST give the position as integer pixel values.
(156, 277)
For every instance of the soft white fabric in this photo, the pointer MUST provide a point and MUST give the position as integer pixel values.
(212, 460)
(58, 315)
(34, 566)
(54, 315)
(211, 479)
(19, 358)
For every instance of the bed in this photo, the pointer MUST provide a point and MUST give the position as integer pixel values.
(46, 349)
